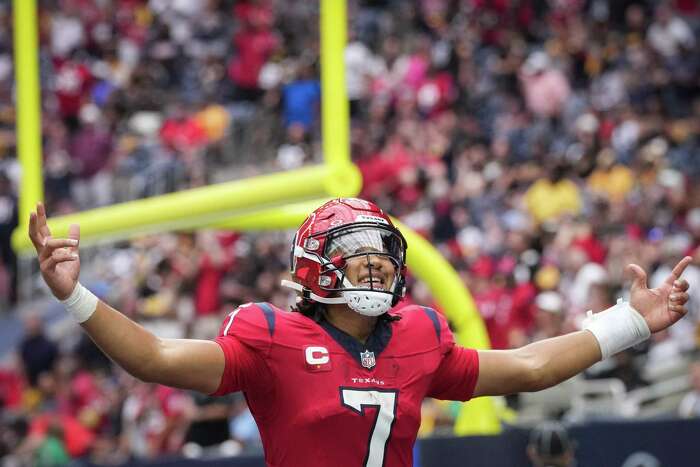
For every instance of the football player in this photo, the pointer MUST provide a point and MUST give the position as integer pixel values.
(340, 380)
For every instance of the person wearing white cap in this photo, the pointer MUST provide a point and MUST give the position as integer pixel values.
(550, 315)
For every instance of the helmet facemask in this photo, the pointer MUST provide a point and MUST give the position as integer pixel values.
(376, 291)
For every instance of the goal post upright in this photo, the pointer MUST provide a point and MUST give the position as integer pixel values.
(28, 106)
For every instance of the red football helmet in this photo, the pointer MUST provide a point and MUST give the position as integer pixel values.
(341, 229)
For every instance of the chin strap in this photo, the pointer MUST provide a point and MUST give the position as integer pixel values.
(307, 293)
(364, 302)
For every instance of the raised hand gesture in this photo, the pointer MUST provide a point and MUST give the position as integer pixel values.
(58, 257)
(664, 305)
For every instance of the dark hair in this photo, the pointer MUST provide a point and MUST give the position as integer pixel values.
(317, 311)
(550, 439)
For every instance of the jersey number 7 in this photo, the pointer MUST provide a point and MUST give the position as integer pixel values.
(385, 400)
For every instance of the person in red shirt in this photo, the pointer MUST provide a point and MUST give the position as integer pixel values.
(214, 261)
(11, 387)
(255, 43)
(340, 379)
(75, 436)
(72, 83)
(493, 301)
(182, 131)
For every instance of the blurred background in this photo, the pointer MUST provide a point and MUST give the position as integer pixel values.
(541, 145)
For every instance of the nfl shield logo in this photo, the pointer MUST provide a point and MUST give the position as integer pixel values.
(367, 359)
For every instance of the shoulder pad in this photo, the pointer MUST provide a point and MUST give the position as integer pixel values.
(425, 327)
(253, 324)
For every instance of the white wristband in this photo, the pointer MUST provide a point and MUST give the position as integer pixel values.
(81, 303)
(617, 328)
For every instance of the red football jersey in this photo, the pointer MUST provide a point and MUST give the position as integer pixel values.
(322, 398)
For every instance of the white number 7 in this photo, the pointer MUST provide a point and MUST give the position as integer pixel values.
(385, 401)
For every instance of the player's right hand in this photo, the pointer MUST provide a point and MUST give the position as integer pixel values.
(58, 257)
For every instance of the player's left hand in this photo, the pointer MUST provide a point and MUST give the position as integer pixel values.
(664, 305)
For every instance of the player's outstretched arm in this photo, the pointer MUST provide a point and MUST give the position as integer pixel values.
(548, 362)
(183, 363)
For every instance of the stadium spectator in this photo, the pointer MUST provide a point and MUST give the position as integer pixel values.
(8, 222)
(38, 352)
(209, 422)
(90, 149)
(54, 435)
(690, 404)
(669, 34)
(550, 315)
(155, 420)
(610, 180)
(553, 196)
(243, 428)
(73, 81)
(493, 302)
(551, 446)
(545, 88)
(51, 452)
(12, 382)
(301, 100)
(255, 43)
(214, 260)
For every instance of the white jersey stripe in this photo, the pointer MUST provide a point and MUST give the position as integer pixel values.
(233, 315)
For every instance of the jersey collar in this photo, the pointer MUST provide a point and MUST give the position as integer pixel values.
(376, 342)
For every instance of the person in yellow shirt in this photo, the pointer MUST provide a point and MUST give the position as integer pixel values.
(551, 197)
(215, 121)
(610, 180)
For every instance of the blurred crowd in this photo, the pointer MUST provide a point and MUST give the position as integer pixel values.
(541, 145)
